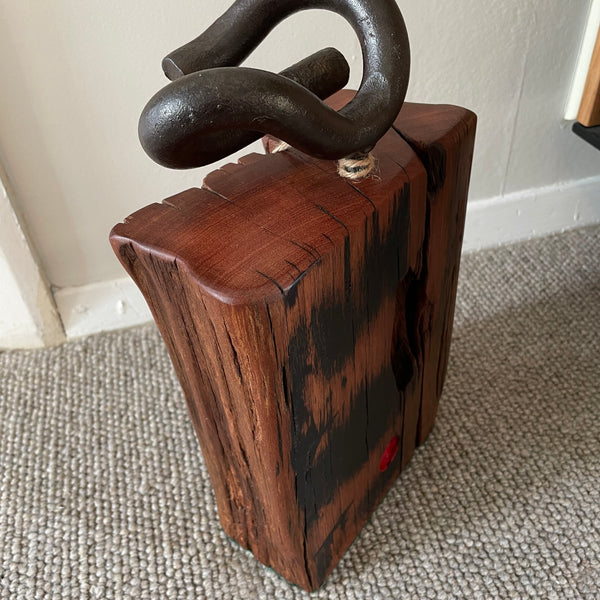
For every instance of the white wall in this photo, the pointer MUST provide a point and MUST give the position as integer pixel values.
(75, 76)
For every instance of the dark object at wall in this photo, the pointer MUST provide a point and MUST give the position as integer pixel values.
(214, 108)
(589, 134)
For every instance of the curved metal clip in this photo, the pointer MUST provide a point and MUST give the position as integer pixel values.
(213, 108)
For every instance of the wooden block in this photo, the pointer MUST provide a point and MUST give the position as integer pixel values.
(308, 319)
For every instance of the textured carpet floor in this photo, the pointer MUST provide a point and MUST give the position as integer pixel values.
(103, 491)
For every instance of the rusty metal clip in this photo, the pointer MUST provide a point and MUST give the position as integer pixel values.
(213, 108)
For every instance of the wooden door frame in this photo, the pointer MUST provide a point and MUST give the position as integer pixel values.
(581, 86)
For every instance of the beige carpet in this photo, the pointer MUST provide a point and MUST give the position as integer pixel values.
(103, 492)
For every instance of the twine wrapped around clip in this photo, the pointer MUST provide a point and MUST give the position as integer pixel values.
(355, 167)
(281, 147)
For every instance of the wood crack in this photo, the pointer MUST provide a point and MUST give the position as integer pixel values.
(272, 281)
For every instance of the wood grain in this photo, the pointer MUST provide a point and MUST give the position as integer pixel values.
(589, 110)
(308, 319)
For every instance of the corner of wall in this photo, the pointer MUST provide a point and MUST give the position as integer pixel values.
(29, 316)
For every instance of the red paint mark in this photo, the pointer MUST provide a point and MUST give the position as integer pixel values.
(389, 454)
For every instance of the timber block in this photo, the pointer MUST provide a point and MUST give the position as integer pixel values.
(309, 321)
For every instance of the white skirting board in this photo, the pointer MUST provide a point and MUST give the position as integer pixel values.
(531, 213)
(493, 222)
(103, 306)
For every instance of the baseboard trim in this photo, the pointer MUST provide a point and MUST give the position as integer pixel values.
(493, 222)
(531, 213)
(104, 306)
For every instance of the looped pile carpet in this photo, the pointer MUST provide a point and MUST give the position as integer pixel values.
(104, 494)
